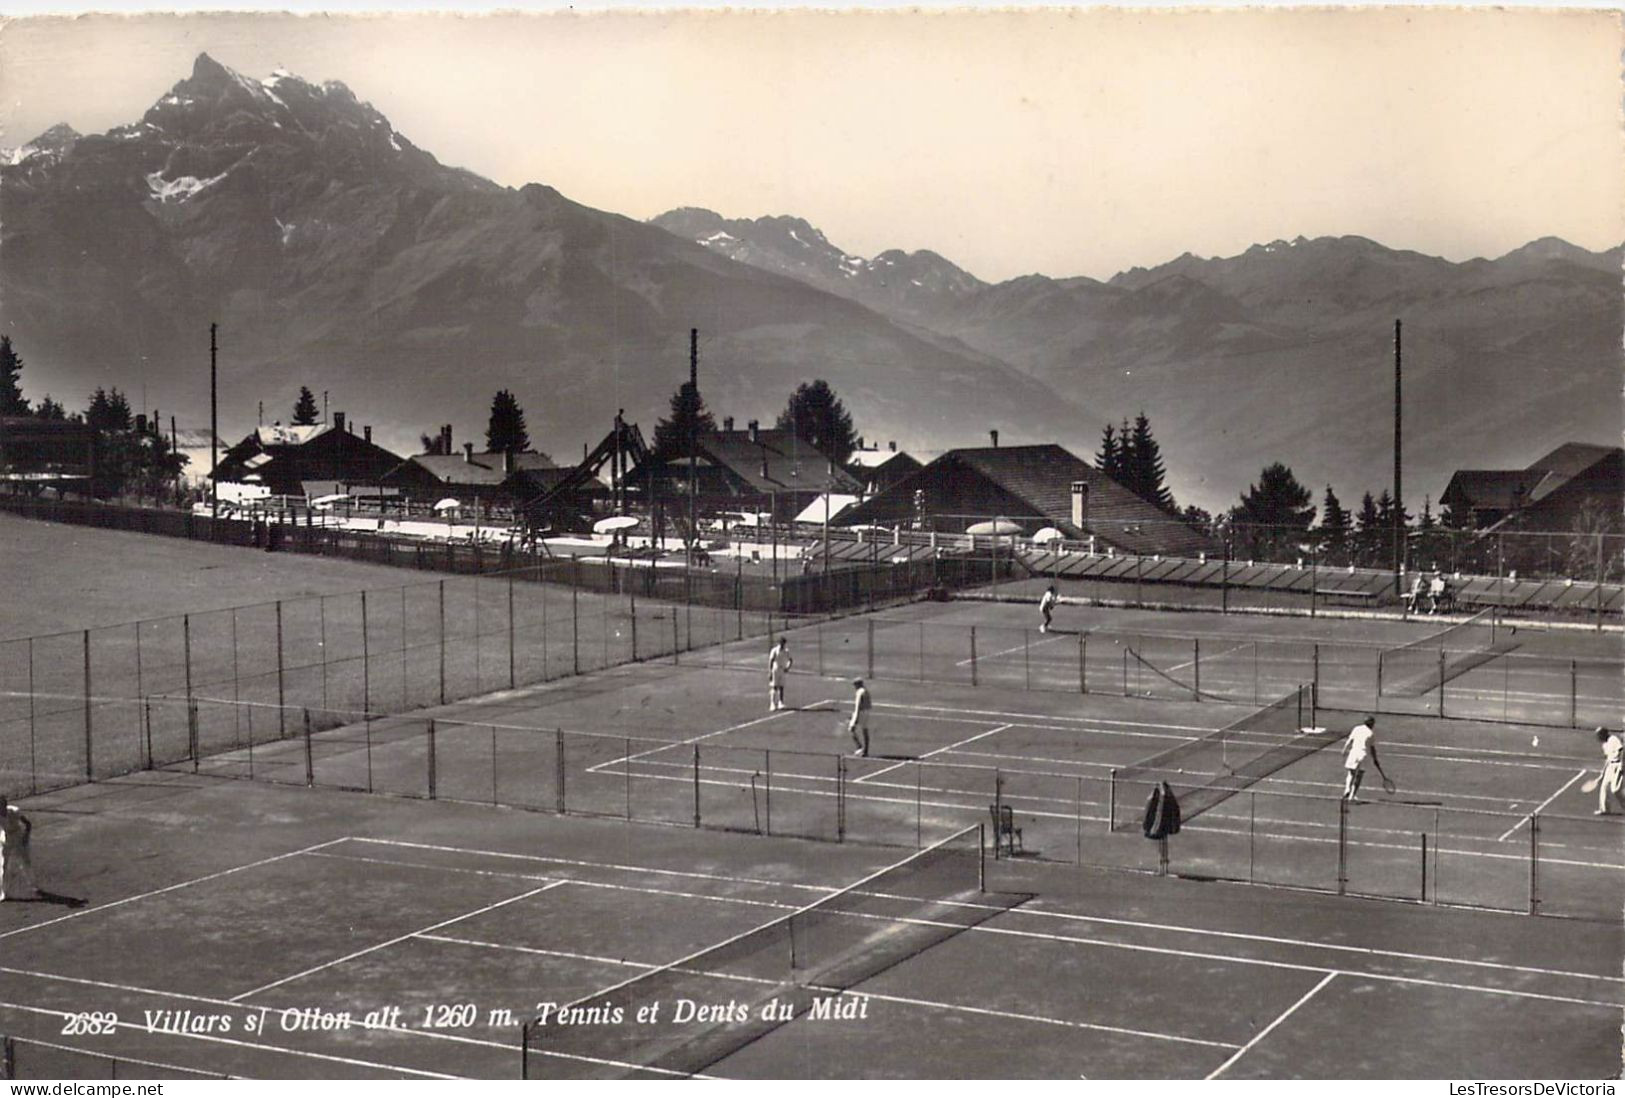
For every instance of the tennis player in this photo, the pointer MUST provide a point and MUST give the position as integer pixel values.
(778, 665)
(1046, 607)
(1360, 746)
(860, 718)
(1612, 777)
(16, 864)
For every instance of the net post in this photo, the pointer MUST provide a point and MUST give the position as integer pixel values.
(1534, 863)
(973, 655)
(1379, 674)
(1342, 846)
(310, 760)
(430, 759)
(1162, 856)
(696, 785)
(1083, 656)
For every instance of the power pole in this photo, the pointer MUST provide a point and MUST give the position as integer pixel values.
(174, 450)
(693, 439)
(214, 428)
(1399, 498)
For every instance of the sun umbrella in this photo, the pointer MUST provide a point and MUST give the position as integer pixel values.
(995, 527)
(614, 523)
(328, 501)
(1048, 534)
(447, 504)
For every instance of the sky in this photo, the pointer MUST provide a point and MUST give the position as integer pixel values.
(1056, 142)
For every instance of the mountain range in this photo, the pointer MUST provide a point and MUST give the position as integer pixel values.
(1284, 352)
(335, 253)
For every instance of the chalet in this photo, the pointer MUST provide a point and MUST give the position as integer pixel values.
(46, 453)
(879, 469)
(1550, 494)
(488, 477)
(1034, 486)
(283, 459)
(757, 469)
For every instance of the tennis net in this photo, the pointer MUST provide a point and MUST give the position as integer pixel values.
(802, 960)
(1207, 771)
(1428, 662)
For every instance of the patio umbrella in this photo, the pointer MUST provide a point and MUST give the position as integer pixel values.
(614, 523)
(995, 527)
(1047, 535)
(447, 504)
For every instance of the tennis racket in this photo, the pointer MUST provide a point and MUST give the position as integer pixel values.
(1588, 787)
(1388, 785)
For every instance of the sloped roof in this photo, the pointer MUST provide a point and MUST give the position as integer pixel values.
(1573, 458)
(1492, 489)
(524, 459)
(876, 459)
(278, 435)
(453, 469)
(792, 464)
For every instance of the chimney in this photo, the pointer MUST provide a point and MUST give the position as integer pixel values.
(753, 432)
(994, 435)
(727, 423)
(338, 420)
(860, 442)
(140, 423)
(893, 445)
(366, 432)
(445, 439)
(1080, 502)
(468, 452)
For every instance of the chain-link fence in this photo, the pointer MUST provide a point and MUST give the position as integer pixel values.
(1438, 854)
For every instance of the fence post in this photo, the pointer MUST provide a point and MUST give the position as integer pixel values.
(1342, 846)
(559, 802)
(1424, 896)
(8, 1058)
(632, 599)
(922, 651)
(429, 757)
(1196, 669)
(90, 770)
(1379, 675)
(1442, 671)
(513, 679)
(310, 760)
(1314, 579)
(192, 732)
(366, 665)
(1601, 574)
(575, 614)
(1315, 672)
(1083, 663)
(33, 769)
(819, 631)
(973, 655)
(281, 695)
(1534, 864)
(1574, 693)
(840, 798)
(674, 645)
(696, 785)
(869, 663)
(1111, 799)
(1026, 662)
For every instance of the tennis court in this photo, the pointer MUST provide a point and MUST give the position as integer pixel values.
(471, 862)
(331, 903)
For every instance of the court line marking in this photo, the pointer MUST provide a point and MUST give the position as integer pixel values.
(719, 732)
(1265, 1032)
(1561, 790)
(929, 754)
(171, 888)
(1066, 916)
(121, 1057)
(1212, 826)
(214, 1039)
(881, 996)
(393, 941)
(1006, 651)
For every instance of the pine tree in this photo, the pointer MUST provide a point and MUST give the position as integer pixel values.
(1146, 477)
(816, 414)
(688, 418)
(12, 401)
(1274, 514)
(1109, 459)
(304, 409)
(1369, 531)
(97, 413)
(506, 430)
(50, 409)
(1426, 522)
(1334, 527)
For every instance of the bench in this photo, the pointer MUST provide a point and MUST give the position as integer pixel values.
(1006, 835)
(1353, 593)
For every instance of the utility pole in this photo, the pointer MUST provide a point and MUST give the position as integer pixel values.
(324, 406)
(1399, 498)
(214, 428)
(174, 449)
(693, 440)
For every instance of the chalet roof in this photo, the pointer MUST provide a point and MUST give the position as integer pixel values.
(1492, 489)
(777, 461)
(455, 469)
